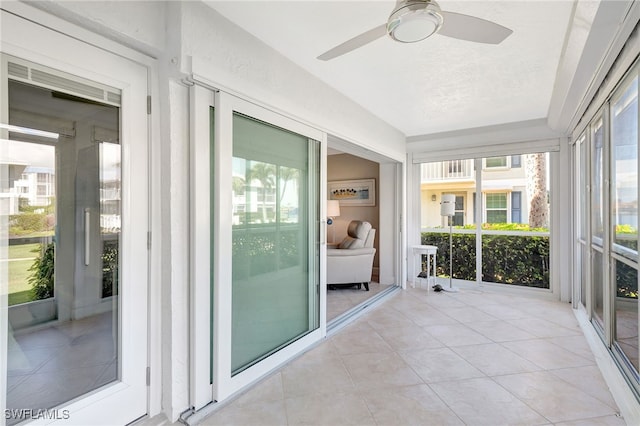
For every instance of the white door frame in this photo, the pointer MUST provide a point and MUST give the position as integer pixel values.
(127, 399)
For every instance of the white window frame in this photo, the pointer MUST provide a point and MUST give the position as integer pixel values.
(507, 163)
(485, 209)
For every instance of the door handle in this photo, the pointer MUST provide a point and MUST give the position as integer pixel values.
(87, 236)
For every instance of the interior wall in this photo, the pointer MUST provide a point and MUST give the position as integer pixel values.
(349, 167)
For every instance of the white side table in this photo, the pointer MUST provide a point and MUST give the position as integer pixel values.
(430, 251)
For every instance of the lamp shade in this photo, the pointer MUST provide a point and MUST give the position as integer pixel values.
(333, 208)
(447, 205)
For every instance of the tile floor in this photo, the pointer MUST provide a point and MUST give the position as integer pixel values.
(467, 358)
(54, 364)
(341, 300)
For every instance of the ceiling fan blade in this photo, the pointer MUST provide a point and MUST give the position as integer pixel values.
(471, 28)
(354, 43)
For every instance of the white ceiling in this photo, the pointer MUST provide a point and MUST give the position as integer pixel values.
(439, 84)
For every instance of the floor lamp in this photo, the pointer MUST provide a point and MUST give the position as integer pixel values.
(447, 209)
(333, 211)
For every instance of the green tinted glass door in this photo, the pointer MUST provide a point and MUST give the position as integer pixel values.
(275, 239)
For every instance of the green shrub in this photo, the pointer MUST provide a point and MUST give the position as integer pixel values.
(110, 268)
(626, 281)
(26, 223)
(507, 259)
(464, 254)
(43, 271)
(43, 276)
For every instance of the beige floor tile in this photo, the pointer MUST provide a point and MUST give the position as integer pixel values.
(309, 376)
(357, 343)
(469, 314)
(444, 300)
(456, 335)
(411, 405)
(483, 402)
(597, 421)
(575, 344)
(494, 360)
(546, 355)
(328, 409)
(503, 312)
(438, 365)
(407, 337)
(265, 413)
(542, 328)
(380, 371)
(386, 317)
(500, 331)
(426, 315)
(554, 398)
(589, 380)
(269, 389)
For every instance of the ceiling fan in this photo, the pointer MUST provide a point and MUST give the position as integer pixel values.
(414, 20)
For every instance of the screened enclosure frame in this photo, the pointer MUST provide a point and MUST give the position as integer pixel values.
(614, 254)
(478, 155)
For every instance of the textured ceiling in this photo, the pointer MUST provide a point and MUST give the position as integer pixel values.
(439, 84)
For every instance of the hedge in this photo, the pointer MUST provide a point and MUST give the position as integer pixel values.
(506, 259)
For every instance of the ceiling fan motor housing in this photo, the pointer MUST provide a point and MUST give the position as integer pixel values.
(414, 20)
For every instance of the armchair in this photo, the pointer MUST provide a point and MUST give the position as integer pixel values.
(352, 262)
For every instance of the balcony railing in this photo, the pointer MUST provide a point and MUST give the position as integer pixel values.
(448, 170)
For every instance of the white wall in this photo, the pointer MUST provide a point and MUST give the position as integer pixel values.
(137, 24)
(233, 59)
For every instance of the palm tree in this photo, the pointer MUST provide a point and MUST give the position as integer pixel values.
(238, 185)
(536, 171)
(265, 173)
(287, 174)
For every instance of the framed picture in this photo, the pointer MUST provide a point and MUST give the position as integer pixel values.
(361, 192)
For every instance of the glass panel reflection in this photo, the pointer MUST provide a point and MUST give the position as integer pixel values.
(626, 305)
(624, 164)
(63, 180)
(274, 296)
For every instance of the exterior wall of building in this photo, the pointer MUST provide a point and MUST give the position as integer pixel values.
(495, 180)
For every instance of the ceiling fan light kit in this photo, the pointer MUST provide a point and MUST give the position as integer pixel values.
(414, 20)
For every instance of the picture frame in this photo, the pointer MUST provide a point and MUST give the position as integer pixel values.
(359, 192)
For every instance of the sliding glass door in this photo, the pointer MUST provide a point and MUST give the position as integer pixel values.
(256, 242)
(275, 239)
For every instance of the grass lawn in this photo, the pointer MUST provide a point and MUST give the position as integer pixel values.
(24, 250)
(19, 288)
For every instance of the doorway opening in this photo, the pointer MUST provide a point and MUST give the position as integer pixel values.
(382, 209)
